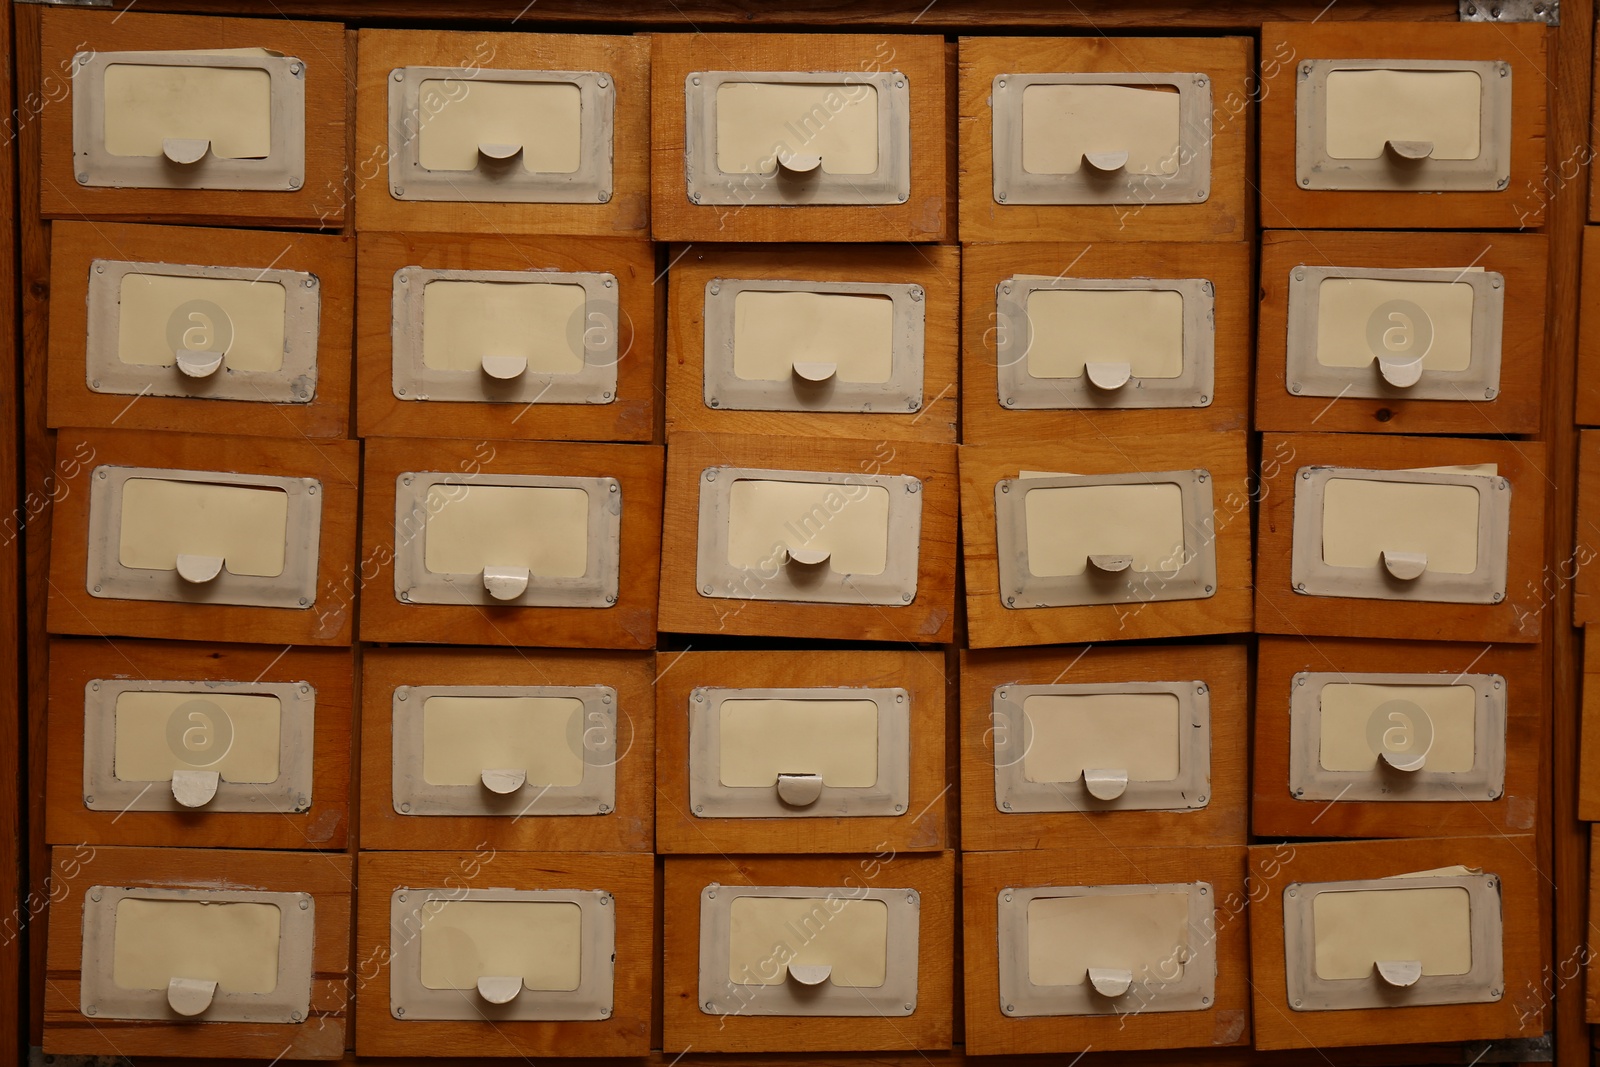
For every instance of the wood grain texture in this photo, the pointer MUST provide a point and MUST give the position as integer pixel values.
(326, 877)
(935, 268)
(986, 421)
(15, 816)
(625, 60)
(1274, 812)
(1520, 257)
(629, 417)
(1280, 610)
(1227, 611)
(1587, 386)
(1273, 868)
(318, 203)
(627, 828)
(1224, 819)
(920, 828)
(629, 623)
(925, 1029)
(75, 245)
(1575, 570)
(924, 216)
(75, 662)
(1140, 1024)
(1588, 784)
(1285, 204)
(1226, 214)
(925, 620)
(328, 620)
(630, 879)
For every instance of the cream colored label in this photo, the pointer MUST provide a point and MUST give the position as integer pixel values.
(542, 322)
(234, 734)
(470, 527)
(1357, 929)
(1140, 733)
(233, 943)
(1360, 319)
(246, 527)
(229, 106)
(1146, 933)
(1063, 123)
(1353, 714)
(1369, 108)
(252, 337)
(544, 119)
(1068, 524)
(766, 934)
(761, 739)
(758, 121)
(772, 331)
(1070, 327)
(1362, 519)
(849, 522)
(464, 736)
(465, 940)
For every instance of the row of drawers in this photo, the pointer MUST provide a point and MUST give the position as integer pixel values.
(491, 952)
(600, 135)
(555, 338)
(787, 751)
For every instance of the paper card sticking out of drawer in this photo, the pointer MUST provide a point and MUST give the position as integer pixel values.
(797, 138)
(1398, 125)
(501, 136)
(493, 955)
(798, 753)
(505, 336)
(1433, 535)
(809, 950)
(203, 537)
(1429, 333)
(1105, 342)
(229, 119)
(223, 333)
(1397, 737)
(1428, 938)
(812, 537)
(1101, 138)
(200, 746)
(211, 955)
(813, 346)
(507, 750)
(1107, 949)
(516, 540)
(1068, 539)
(1125, 746)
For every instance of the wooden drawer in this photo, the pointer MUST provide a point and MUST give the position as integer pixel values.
(1202, 589)
(601, 800)
(592, 377)
(609, 599)
(593, 178)
(311, 978)
(875, 329)
(1499, 600)
(772, 721)
(1183, 177)
(420, 994)
(1196, 692)
(282, 715)
(309, 600)
(914, 897)
(886, 589)
(1587, 386)
(876, 105)
(1167, 902)
(1493, 315)
(1474, 718)
(1575, 569)
(307, 186)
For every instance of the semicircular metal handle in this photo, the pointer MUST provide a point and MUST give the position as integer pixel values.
(194, 789)
(504, 368)
(1398, 372)
(198, 569)
(1108, 375)
(799, 790)
(1105, 784)
(807, 557)
(815, 371)
(503, 780)
(185, 150)
(1403, 763)
(798, 165)
(499, 989)
(810, 973)
(1109, 564)
(1406, 566)
(190, 996)
(505, 583)
(1109, 982)
(1399, 973)
(1410, 151)
(1106, 162)
(499, 153)
(197, 364)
